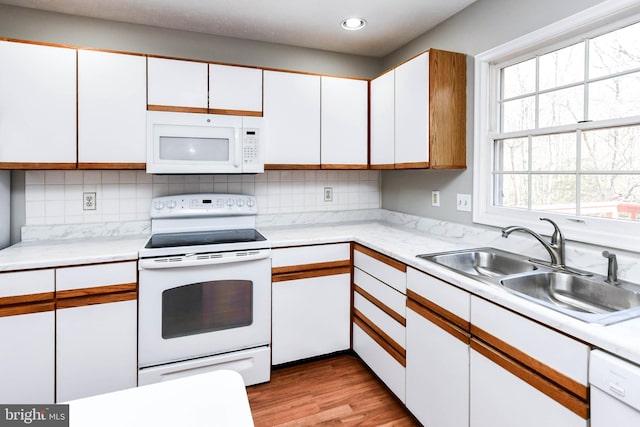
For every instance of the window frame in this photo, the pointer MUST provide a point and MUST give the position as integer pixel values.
(604, 17)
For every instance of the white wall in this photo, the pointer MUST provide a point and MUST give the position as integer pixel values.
(56, 197)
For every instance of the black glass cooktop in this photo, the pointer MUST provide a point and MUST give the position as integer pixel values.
(195, 238)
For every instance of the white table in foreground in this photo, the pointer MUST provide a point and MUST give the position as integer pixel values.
(216, 398)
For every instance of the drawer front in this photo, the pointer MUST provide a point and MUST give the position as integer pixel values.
(388, 369)
(26, 282)
(380, 291)
(442, 294)
(386, 269)
(308, 255)
(98, 275)
(379, 318)
(534, 340)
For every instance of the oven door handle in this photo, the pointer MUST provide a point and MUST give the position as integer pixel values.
(194, 260)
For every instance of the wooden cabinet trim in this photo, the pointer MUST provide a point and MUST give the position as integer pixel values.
(235, 112)
(440, 311)
(112, 166)
(380, 257)
(411, 165)
(177, 109)
(343, 166)
(307, 274)
(566, 399)
(306, 267)
(16, 310)
(439, 321)
(573, 386)
(447, 109)
(26, 299)
(382, 166)
(382, 306)
(35, 166)
(394, 349)
(97, 290)
(94, 299)
(278, 166)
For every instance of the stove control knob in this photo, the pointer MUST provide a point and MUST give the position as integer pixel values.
(158, 205)
(240, 203)
(171, 204)
(251, 203)
(230, 202)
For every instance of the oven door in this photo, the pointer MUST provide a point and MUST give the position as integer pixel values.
(196, 311)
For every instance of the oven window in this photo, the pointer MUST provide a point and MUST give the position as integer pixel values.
(206, 307)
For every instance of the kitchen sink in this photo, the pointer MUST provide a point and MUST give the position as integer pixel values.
(574, 293)
(588, 298)
(483, 262)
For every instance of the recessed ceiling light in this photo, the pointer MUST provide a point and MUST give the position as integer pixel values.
(353, 24)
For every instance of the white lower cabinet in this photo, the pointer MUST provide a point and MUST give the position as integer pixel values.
(27, 334)
(310, 301)
(523, 373)
(437, 351)
(27, 358)
(96, 329)
(379, 283)
(501, 399)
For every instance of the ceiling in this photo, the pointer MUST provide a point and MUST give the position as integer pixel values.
(305, 23)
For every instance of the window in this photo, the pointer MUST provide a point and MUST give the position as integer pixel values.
(558, 129)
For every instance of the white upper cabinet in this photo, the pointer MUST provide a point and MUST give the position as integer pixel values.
(111, 109)
(292, 120)
(383, 120)
(235, 90)
(418, 113)
(412, 112)
(344, 114)
(177, 85)
(37, 106)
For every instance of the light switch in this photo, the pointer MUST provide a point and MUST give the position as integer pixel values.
(463, 202)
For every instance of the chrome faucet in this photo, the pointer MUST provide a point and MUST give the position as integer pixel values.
(555, 247)
(612, 268)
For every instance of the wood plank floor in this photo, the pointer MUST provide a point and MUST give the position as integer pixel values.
(339, 390)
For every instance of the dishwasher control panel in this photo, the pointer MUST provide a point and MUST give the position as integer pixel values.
(615, 377)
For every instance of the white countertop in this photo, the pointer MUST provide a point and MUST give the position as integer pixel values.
(213, 399)
(397, 241)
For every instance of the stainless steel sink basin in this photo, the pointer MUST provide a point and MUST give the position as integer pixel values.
(590, 299)
(574, 293)
(484, 262)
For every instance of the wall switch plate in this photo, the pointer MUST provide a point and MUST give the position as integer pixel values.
(463, 202)
(328, 194)
(89, 201)
(435, 198)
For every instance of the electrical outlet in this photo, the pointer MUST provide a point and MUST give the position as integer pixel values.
(328, 194)
(435, 198)
(463, 202)
(89, 201)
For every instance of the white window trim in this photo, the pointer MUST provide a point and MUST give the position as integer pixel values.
(589, 230)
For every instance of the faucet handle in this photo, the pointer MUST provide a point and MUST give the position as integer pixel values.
(557, 234)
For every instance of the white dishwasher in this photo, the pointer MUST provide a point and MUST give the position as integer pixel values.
(615, 391)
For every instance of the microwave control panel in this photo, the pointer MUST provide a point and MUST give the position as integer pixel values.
(250, 148)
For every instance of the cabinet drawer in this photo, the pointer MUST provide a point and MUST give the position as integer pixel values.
(388, 369)
(450, 302)
(373, 288)
(309, 257)
(532, 344)
(387, 324)
(380, 266)
(29, 282)
(99, 275)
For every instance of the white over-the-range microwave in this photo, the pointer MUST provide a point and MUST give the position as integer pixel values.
(192, 143)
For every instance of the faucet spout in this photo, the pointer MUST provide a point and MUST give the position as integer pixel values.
(555, 248)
